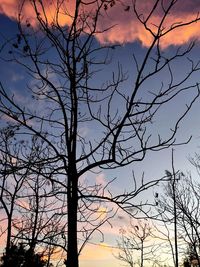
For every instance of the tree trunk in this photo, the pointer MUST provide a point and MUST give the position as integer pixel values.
(72, 199)
(8, 241)
(142, 254)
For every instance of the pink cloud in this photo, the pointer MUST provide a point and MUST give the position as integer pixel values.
(11, 8)
(8, 8)
(127, 28)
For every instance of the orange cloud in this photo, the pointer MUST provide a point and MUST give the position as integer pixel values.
(10, 8)
(127, 28)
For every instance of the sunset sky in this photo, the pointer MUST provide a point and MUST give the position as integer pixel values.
(132, 37)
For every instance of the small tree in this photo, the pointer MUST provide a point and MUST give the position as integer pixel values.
(187, 210)
(28, 202)
(12, 176)
(137, 244)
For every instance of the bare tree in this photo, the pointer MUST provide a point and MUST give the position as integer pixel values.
(187, 210)
(12, 176)
(68, 66)
(28, 205)
(136, 244)
(41, 222)
(143, 241)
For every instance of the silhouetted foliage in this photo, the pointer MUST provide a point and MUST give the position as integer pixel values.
(19, 256)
